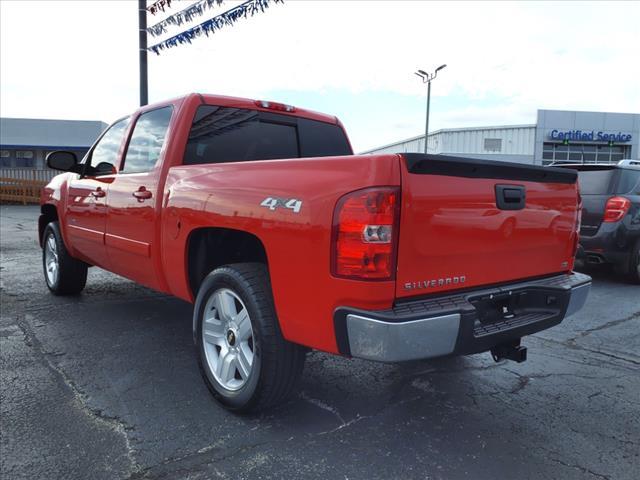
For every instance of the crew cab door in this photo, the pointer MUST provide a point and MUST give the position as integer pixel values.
(86, 207)
(134, 200)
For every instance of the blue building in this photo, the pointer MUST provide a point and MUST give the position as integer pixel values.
(25, 142)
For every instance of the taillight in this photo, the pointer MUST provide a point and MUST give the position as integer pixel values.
(365, 234)
(616, 209)
(578, 223)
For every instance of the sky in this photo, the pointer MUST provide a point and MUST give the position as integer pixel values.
(353, 59)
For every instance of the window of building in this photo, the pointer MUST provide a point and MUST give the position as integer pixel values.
(5, 153)
(25, 162)
(583, 153)
(147, 140)
(492, 144)
(24, 154)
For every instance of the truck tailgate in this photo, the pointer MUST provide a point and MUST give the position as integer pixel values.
(467, 223)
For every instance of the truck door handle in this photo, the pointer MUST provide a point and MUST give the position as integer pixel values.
(98, 193)
(510, 197)
(142, 194)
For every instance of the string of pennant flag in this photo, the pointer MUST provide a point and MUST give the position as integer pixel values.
(158, 6)
(227, 18)
(183, 16)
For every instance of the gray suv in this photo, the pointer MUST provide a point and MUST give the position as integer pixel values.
(610, 231)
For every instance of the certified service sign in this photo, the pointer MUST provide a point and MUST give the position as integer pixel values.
(591, 136)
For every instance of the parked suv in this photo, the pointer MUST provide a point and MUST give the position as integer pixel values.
(610, 231)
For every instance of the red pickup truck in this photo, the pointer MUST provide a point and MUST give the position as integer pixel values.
(260, 214)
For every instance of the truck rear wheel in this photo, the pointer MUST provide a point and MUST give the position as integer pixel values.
(246, 363)
(64, 274)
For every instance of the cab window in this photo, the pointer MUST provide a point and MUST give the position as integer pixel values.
(226, 134)
(147, 140)
(104, 156)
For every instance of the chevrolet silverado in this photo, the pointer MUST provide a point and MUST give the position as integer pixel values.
(260, 215)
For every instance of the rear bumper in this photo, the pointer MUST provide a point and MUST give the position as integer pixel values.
(461, 323)
(612, 243)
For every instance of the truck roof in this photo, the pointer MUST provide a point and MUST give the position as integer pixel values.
(238, 102)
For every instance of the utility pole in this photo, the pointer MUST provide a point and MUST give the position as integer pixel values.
(142, 37)
(426, 127)
(426, 78)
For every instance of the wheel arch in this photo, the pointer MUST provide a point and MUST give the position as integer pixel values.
(211, 247)
(48, 214)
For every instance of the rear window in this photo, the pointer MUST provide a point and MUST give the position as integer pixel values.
(629, 181)
(319, 139)
(225, 134)
(596, 182)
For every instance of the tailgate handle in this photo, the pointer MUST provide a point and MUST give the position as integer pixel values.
(510, 197)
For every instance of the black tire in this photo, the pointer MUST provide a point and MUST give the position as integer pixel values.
(71, 276)
(634, 264)
(277, 363)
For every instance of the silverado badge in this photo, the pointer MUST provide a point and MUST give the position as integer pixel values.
(436, 282)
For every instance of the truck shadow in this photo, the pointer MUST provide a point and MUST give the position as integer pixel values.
(128, 354)
(131, 356)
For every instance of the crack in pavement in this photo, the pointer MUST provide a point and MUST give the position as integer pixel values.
(575, 346)
(307, 437)
(189, 465)
(578, 467)
(325, 406)
(610, 324)
(112, 423)
(322, 405)
(610, 355)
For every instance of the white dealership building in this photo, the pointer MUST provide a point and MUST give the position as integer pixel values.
(558, 135)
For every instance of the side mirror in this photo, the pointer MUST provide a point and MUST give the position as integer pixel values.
(104, 168)
(65, 161)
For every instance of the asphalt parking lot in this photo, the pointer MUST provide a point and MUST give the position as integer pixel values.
(105, 386)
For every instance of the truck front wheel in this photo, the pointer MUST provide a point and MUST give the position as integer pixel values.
(64, 274)
(245, 361)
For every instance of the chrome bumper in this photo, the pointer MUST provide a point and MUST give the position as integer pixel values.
(395, 342)
(395, 335)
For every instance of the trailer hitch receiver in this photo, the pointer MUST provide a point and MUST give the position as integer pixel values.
(510, 351)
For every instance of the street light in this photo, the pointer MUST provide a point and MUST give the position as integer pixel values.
(426, 78)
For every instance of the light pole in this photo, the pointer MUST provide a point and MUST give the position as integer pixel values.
(426, 78)
(142, 40)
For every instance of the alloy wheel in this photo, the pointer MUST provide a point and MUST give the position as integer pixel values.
(51, 263)
(227, 336)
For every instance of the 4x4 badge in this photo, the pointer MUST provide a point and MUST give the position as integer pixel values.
(291, 203)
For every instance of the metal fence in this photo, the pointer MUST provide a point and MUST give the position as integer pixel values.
(23, 185)
(43, 175)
